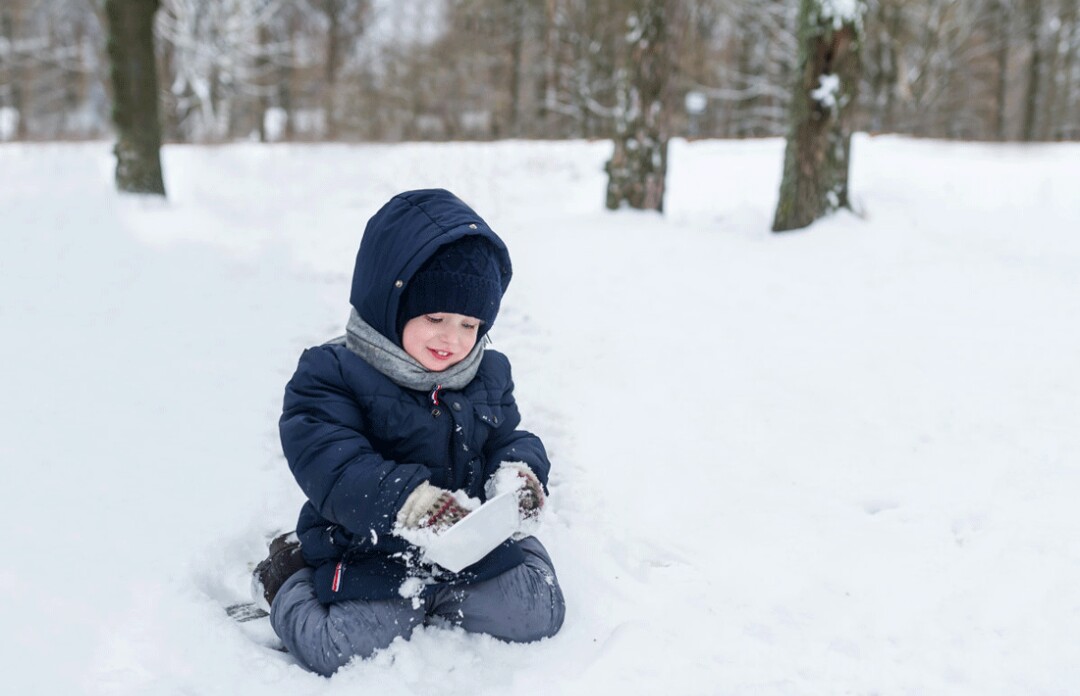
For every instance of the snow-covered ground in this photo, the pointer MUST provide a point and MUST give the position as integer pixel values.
(841, 461)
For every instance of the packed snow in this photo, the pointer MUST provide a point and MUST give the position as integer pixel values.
(837, 461)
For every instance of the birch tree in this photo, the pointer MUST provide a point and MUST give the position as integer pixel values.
(816, 161)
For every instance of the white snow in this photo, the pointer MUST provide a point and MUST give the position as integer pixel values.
(839, 461)
(826, 91)
(841, 11)
(9, 122)
(696, 102)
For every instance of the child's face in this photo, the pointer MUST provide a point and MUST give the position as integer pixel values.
(441, 340)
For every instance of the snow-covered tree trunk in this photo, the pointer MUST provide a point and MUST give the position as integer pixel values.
(135, 95)
(815, 180)
(638, 165)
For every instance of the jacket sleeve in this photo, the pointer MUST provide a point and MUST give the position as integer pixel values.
(509, 444)
(322, 434)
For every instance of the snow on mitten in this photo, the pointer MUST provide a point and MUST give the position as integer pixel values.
(432, 508)
(518, 477)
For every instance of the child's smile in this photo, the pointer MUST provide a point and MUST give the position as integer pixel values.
(439, 340)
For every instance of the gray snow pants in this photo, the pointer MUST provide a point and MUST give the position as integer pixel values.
(522, 605)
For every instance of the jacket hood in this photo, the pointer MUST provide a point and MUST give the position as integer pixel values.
(398, 239)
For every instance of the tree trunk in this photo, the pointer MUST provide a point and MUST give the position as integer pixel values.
(815, 179)
(1067, 43)
(10, 20)
(888, 69)
(262, 82)
(135, 95)
(517, 44)
(1003, 43)
(638, 165)
(285, 81)
(333, 9)
(549, 81)
(1031, 96)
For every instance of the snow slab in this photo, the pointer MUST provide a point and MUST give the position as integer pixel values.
(838, 461)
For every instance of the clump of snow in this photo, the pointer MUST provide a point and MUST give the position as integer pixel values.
(841, 12)
(827, 90)
(411, 588)
(836, 461)
(507, 479)
(696, 102)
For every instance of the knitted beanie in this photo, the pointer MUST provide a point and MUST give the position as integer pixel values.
(462, 277)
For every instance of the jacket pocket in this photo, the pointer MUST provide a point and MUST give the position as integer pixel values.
(489, 415)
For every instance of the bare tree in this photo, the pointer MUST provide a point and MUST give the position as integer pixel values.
(738, 56)
(406, 69)
(1001, 21)
(1034, 16)
(344, 22)
(815, 179)
(884, 37)
(222, 56)
(580, 43)
(1067, 113)
(638, 166)
(135, 95)
(52, 69)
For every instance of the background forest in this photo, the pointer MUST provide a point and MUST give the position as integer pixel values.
(376, 70)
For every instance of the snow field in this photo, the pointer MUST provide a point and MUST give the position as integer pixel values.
(835, 461)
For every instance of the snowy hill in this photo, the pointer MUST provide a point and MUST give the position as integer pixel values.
(842, 461)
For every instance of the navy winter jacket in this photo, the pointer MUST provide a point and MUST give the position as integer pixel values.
(359, 444)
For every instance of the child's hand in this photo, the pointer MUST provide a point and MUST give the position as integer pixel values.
(518, 477)
(430, 507)
(531, 496)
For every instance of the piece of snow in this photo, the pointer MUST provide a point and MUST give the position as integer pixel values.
(827, 90)
(841, 11)
(476, 535)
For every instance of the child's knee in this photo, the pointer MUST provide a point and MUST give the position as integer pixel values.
(541, 617)
(549, 606)
(360, 629)
(544, 617)
(324, 639)
(530, 606)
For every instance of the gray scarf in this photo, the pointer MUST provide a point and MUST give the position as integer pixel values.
(391, 360)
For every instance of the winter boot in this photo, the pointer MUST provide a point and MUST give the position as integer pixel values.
(284, 560)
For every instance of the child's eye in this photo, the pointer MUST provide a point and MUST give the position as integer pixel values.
(434, 320)
(467, 325)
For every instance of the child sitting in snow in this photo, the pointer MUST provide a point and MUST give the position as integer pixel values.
(405, 425)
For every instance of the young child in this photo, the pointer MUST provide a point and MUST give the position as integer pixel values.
(405, 424)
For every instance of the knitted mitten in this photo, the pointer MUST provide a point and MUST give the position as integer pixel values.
(518, 477)
(429, 507)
